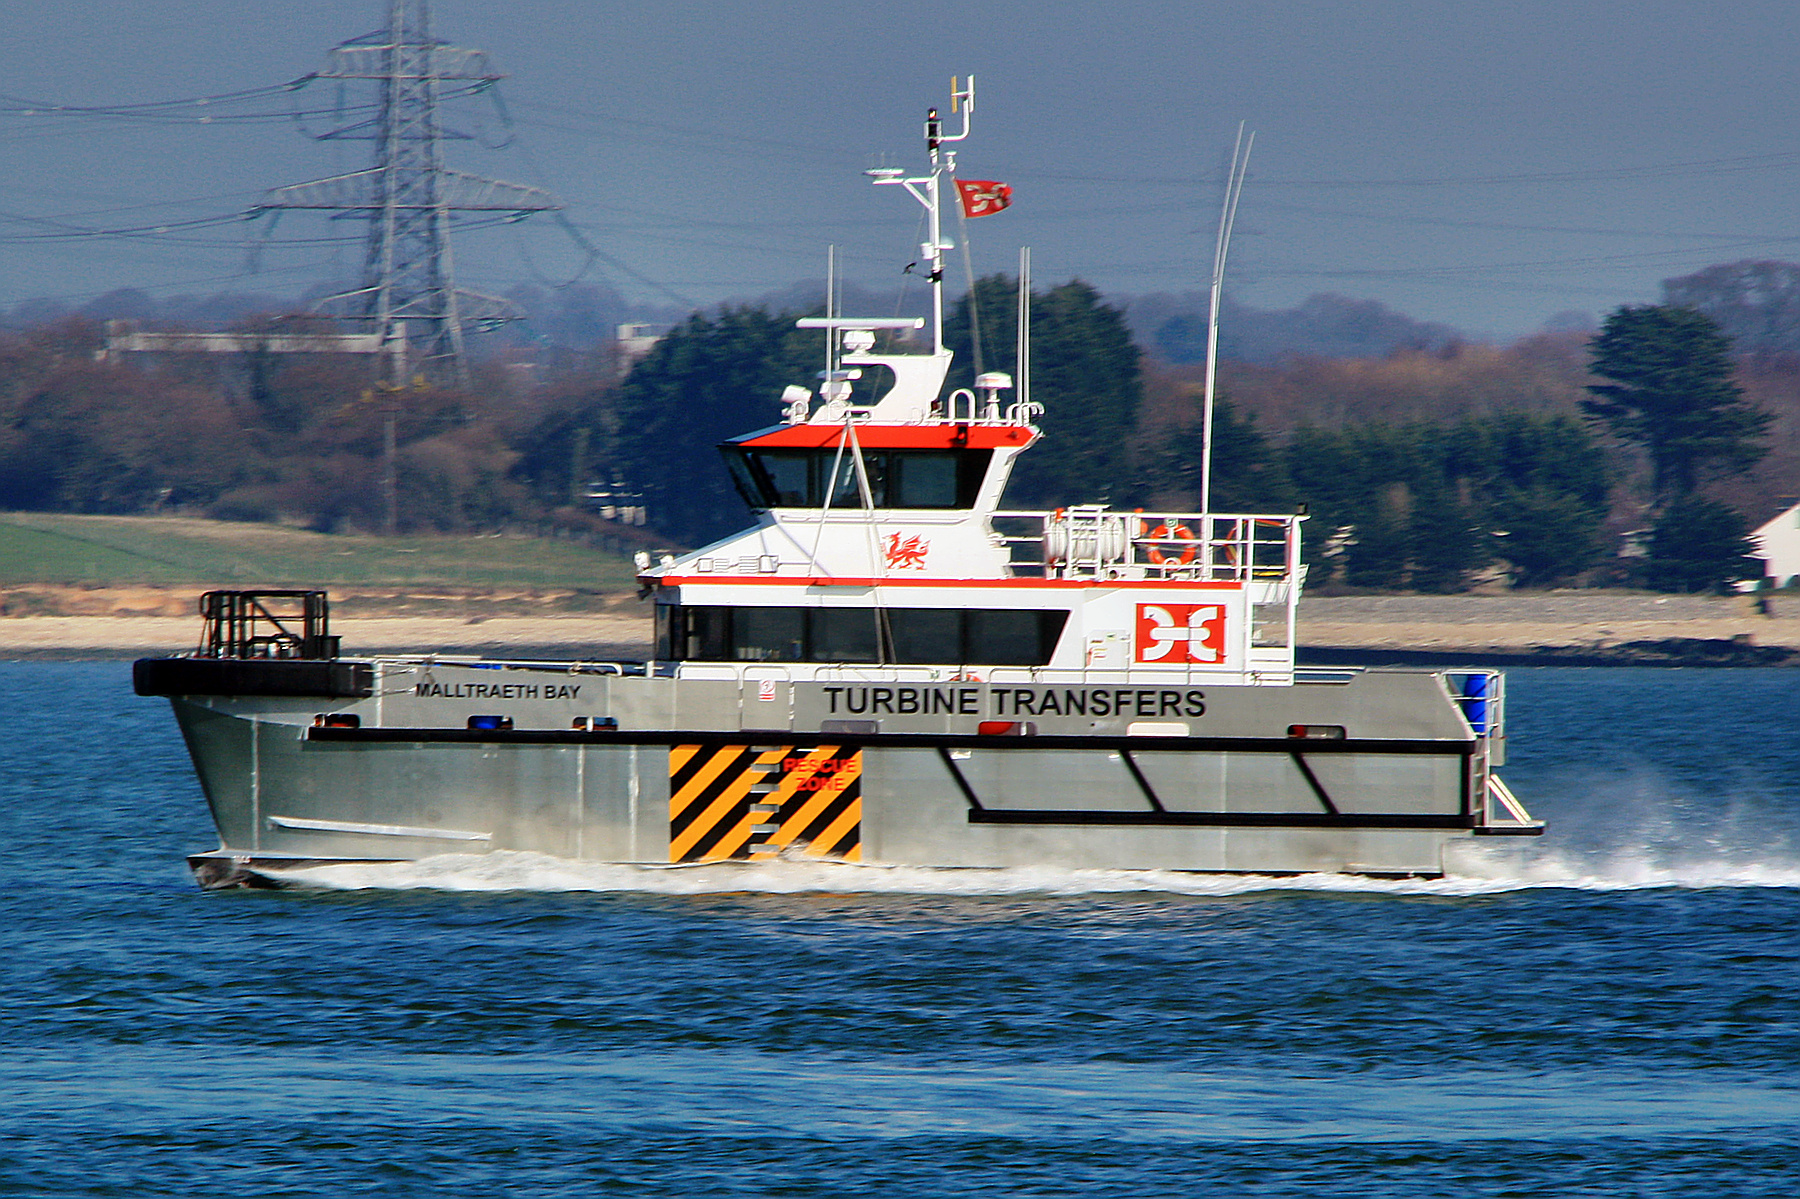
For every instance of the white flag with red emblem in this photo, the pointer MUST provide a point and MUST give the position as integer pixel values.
(982, 197)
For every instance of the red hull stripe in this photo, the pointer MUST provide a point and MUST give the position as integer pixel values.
(1023, 584)
(889, 437)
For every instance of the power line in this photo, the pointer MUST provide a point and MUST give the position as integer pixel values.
(1501, 226)
(61, 231)
(20, 106)
(408, 292)
(1670, 170)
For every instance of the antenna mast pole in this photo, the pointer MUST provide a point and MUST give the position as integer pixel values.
(928, 190)
(1234, 184)
(1022, 385)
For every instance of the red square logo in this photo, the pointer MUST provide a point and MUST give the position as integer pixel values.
(1177, 634)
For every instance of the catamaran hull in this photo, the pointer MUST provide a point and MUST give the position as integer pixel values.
(1373, 773)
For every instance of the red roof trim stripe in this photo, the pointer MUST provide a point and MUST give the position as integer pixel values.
(1027, 584)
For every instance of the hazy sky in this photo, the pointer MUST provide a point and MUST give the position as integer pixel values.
(1489, 165)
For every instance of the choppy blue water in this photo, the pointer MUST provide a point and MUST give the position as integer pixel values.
(1612, 1011)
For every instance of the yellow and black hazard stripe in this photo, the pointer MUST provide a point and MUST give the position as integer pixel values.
(744, 801)
(817, 804)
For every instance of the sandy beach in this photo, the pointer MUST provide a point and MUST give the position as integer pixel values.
(1577, 621)
(1572, 622)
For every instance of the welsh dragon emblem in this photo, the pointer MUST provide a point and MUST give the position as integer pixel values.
(905, 553)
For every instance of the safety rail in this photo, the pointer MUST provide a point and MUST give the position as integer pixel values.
(622, 668)
(267, 624)
(964, 407)
(1481, 695)
(961, 407)
(1093, 542)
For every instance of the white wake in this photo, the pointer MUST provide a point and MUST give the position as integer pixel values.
(1609, 830)
(1476, 869)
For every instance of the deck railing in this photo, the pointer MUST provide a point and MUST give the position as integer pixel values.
(1098, 543)
(266, 624)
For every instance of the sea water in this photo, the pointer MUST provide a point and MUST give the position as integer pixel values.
(1611, 1010)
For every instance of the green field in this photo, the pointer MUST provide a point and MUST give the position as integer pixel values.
(48, 548)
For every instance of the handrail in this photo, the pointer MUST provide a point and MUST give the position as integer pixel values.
(266, 624)
(961, 407)
(1095, 542)
(1481, 695)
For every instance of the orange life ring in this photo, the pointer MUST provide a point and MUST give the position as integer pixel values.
(1167, 532)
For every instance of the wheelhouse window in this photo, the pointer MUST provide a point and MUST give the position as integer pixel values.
(783, 478)
(902, 636)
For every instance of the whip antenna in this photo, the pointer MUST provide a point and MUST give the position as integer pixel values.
(1234, 184)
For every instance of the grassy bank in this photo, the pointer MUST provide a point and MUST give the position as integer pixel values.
(120, 551)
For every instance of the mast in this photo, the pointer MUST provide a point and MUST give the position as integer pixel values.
(928, 190)
(1022, 354)
(831, 341)
(1234, 184)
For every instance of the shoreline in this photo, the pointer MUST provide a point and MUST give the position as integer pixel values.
(1553, 628)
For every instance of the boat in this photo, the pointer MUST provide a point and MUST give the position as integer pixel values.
(887, 666)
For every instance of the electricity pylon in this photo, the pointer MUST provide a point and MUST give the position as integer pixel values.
(408, 292)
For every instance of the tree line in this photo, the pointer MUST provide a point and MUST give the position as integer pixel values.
(1436, 467)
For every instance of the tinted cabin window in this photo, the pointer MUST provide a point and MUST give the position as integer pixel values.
(665, 631)
(788, 475)
(915, 636)
(844, 635)
(929, 481)
(747, 482)
(897, 478)
(1009, 638)
(707, 634)
(765, 634)
(925, 635)
(844, 487)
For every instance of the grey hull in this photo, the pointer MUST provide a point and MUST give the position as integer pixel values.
(597, 765)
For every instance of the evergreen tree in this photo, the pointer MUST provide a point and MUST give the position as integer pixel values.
(1546, 497)
(711, 379)
(1381, 539)
(1700, 545)
(1427, 506)
(1248, 475)
(1672, 393)
(1084, 371)
(1546, 536)
(1330, 476)
(1448, 539)
(1553, 454)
